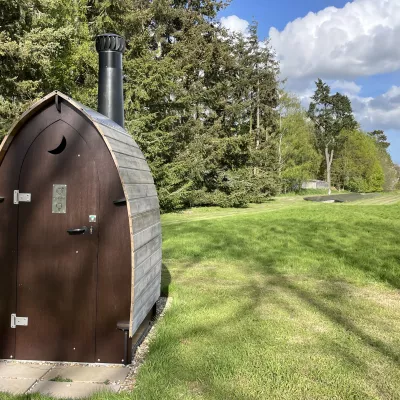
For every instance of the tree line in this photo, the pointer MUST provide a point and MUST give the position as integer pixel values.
(205, 105)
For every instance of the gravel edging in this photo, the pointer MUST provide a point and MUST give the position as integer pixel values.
(162, 305)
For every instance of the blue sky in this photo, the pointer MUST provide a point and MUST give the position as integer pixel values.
(353, 45)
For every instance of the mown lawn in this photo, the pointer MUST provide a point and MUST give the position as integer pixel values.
(286, 300)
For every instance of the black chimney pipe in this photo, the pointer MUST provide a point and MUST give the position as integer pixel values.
(110, 91)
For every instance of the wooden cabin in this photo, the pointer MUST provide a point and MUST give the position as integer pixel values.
(80, 233)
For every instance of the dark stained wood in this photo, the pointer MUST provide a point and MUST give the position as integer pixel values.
(115, 252)
(122, 263)
(12, 155)
(56, 278)
(8, 259)
(134, 178)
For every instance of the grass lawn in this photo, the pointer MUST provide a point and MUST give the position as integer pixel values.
(284, 300)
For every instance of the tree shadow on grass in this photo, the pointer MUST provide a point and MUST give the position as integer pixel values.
(370, 248)
(253, 295)
(359, 245)
(335, 316)
(197, 325)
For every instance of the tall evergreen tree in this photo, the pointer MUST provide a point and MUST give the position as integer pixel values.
(198, 100)
(44, 45)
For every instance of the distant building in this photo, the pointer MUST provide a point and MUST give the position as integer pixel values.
(315, 184)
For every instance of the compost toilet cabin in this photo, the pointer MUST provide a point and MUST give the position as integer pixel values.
(80, 234)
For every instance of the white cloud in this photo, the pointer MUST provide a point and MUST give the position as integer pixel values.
(340, 43)
(381, 112)
(235, 24)
(345, 87)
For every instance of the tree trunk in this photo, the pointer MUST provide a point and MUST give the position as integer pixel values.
(328, 159)
(258, 123)
(280, 147)
(258, 116)
(280, 155)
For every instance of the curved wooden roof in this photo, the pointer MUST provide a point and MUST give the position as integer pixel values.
(141, 200)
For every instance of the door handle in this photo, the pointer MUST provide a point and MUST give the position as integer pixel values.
(1, 199)
(78, 231)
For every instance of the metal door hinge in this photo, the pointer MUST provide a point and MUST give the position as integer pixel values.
(21, 197)
(18, 321)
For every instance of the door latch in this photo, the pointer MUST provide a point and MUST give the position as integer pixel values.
(21, 197)
(18, 321)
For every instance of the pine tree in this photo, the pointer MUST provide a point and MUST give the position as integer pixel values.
(199, 101)
(44, 45)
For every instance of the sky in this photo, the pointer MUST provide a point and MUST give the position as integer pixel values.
(354, 46)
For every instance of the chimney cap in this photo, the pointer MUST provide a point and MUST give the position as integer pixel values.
(110, 42)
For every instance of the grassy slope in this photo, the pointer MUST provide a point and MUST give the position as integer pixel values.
(288, 300)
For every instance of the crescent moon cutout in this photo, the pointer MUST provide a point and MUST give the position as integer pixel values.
(60, 148)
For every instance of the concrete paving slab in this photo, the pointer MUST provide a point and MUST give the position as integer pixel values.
(26, 371)
(78, 373)
(73, 390)
(15, 386)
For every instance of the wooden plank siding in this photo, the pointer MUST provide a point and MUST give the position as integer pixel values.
(120, 136)
(142, 311)
(131, 162)
(143, 237)
(147, 250)
(145, 281)
(139, 190)
(147, 265)
(142, 205)
(132, 176)
(121, 147)
(143, 211)
(141, 221)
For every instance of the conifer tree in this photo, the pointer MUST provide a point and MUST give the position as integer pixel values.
(199, 101)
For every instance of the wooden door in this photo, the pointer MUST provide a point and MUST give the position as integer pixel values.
(57, 269)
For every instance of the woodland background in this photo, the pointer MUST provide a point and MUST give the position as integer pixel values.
(206, 106)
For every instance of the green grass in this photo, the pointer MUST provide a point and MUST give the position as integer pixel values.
(284, 300)
(59, 378)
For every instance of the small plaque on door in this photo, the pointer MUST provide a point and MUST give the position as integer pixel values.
(59, 199)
